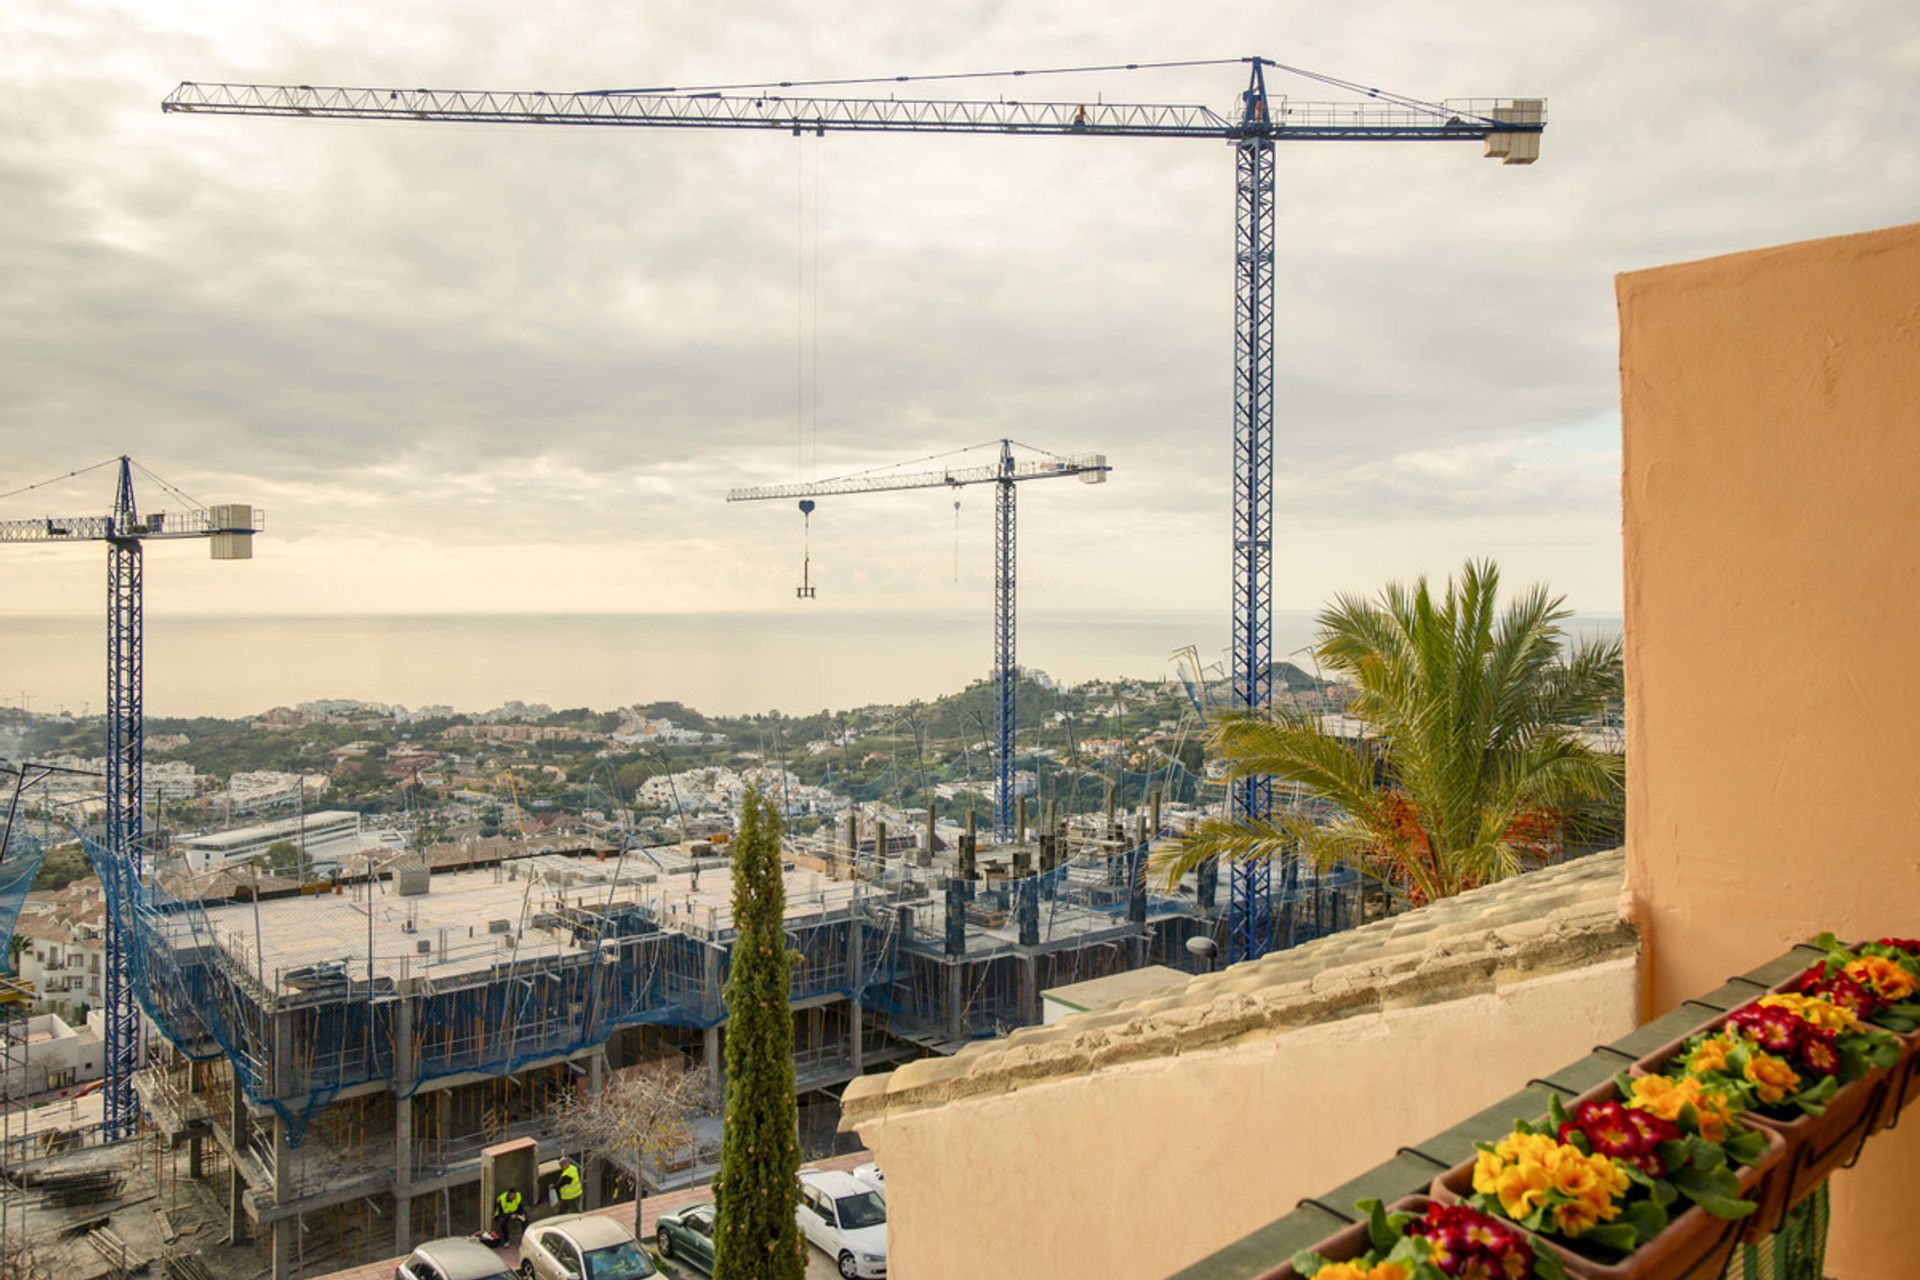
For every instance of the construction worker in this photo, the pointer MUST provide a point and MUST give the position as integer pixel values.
(569, 1187)
(507, 1210)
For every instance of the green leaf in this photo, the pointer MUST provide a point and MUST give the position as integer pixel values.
(1744, 1145)
(1705, 1156)
(1621, 1237)
(1546, 1266)
(1674, 1153)
(1308, 1263)
(1557, 1112)
(1380, 1233)
(1647, 1218)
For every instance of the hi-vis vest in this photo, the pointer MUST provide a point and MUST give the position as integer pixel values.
(509, 1201)
(569, 1183)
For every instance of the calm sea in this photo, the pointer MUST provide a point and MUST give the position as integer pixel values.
(793, 661)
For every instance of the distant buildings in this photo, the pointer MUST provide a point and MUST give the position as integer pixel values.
(326, 838)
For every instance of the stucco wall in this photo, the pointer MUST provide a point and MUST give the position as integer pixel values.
(1771, 411)
(1144, 1167)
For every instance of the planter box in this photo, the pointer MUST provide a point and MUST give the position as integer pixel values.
(1815, 1145)
(1695, 1245)
(1346, 1244)
(1903, 1088)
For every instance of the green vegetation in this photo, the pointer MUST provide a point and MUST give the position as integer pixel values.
(757, 1190)
(1472, 768)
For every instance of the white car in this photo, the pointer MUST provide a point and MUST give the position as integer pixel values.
(869, 1176)
(847, 1219)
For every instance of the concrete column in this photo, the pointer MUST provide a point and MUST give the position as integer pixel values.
(236, 1181)
(196, 1145)
(710, 1053)
(1029, 990)
(1137, 890)
(402, 1174)
(853, 834)
(592, 1170)
(285, 1230)
(404, 1070)
(956, 1024)
(1020, 820)
(879, 845)
(1156, 814)
(856, 980)
(932, 822)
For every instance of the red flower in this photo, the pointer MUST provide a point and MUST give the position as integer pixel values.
(1652, 1130)
(1776, 1030)
(1817, 1053)
(1909, 945)
(1467, 1242)
(1608, 1129)
(1846, 993)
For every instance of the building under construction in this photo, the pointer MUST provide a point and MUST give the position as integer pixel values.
(351, 1053)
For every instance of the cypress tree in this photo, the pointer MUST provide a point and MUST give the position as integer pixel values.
(758, 1190)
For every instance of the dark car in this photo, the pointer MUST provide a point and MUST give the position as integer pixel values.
(687, 1234)
(452, 1258)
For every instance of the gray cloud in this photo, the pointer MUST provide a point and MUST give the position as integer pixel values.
(465, 341)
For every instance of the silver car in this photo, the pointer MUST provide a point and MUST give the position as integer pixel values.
(577, 1246)
(452, 1258)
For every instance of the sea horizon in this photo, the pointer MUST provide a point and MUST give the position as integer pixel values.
(717, 662)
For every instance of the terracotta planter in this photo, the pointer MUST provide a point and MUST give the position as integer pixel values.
(1815, 1145)
(1695, 1245)
(1903, 1088)
(1346, 1244)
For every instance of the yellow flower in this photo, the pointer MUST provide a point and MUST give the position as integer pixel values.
(1342, 1271)
(1659, 1096)
(1522, 1188)
(1714, 1112)
(1882, 977)
(1824, 1014)
(1572, 1220)
(1774, 1078)
(1486, 1172)
(1709, 1055)
(1360, 1271)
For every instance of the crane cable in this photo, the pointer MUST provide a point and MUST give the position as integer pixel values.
(41, 484)
(922, 79)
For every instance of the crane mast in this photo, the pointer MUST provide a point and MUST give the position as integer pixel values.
(1003, 474)
(229, 529)
(1509, 128)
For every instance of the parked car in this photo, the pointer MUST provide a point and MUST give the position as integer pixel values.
(869, 1175)
(845, 1218)
(452, 1258)
(574, 1246)
(687, 1234)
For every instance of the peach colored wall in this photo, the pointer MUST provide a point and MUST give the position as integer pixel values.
(1771, 414)
(1143, 1168)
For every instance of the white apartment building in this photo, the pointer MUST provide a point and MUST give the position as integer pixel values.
(51, 1055)
(326, 836)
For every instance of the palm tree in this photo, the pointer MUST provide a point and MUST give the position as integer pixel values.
(1472, 767)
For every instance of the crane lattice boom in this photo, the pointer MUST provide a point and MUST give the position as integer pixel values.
(1086, 465)
(1455, 119)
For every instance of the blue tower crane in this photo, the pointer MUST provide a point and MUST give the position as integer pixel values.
(229, 528)
(1003, 474)
(1510, 129)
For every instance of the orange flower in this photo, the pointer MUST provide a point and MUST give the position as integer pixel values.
(1709, 1055)
(1772, 1076)
(1883, 977)
(1824, 1014)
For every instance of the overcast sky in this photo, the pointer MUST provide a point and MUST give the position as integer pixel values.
(471, 368)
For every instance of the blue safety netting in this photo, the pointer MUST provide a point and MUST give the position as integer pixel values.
(296, 1038)
(24, 854)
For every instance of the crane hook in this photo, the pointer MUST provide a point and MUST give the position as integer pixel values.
(805, 590)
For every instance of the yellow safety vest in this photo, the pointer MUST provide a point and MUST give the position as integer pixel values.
(509, 1201)
(569, 1184)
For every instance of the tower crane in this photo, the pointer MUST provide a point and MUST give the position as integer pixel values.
(1003, 474)
(1509, 128)
(229, 530)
